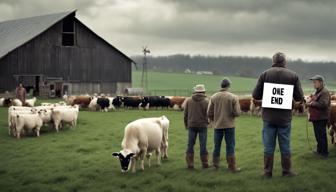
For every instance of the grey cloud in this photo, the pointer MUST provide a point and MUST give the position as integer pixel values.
(307, 28)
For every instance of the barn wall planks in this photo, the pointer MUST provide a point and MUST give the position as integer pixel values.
(91, 62)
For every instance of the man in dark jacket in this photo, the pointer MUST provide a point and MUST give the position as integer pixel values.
(319, 110)
(277, 122)
(195, 120)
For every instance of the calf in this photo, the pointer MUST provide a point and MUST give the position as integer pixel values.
(141, 137)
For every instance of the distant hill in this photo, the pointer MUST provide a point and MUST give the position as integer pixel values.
(234, 65)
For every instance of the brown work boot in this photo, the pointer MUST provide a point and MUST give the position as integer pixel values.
(204, 159)
(215, 162)
(287, 166)
(190, 160)
(231, 160)
(268, 166)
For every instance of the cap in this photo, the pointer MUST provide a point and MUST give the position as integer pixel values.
(317, 77)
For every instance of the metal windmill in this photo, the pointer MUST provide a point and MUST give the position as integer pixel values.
(144, 77)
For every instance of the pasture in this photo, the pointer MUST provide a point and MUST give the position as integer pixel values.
(80, 159)
(160, 83)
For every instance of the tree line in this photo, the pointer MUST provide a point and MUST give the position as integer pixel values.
(233, 65)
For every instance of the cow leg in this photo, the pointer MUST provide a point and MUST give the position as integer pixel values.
(148, 156)
(18, 134)
(56, 125)
(38, 131)
(133, 164)
(142, 158)
(158, 156)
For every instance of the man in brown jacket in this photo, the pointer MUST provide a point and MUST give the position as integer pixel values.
(20, 92)
(223, 109)
(195, 120)
(319, 111)
(277, 122)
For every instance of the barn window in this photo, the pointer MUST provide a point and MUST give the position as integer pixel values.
(68, 33)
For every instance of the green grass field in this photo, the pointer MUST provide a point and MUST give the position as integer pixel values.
(181, 84)
(80, 159)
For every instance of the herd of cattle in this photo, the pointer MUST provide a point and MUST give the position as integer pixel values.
(66, 112)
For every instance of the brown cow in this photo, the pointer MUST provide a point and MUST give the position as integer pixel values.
(333, 97)
(176, 102)
(332, 122)
(298, 109)
(256, 107)
(82, 100)
(245, 105)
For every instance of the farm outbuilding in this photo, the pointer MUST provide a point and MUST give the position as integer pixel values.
(57, 54)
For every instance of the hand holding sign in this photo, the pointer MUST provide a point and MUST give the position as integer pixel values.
(277, 96)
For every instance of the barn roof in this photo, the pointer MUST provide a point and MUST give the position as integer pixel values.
(14, 33)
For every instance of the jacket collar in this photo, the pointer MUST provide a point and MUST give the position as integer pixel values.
(223, 89)
(319, 90)
(278, 65)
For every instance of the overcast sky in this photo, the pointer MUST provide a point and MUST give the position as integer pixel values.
(301, 28)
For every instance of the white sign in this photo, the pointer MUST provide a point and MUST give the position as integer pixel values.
(277, 96)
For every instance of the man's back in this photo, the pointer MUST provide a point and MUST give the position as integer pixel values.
(223, 108)
(279, 75)
(195, 113)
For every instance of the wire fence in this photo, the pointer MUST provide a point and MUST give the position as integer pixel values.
(188, 92)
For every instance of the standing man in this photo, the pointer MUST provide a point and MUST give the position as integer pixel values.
(195, 120)
(277, 122)
(20, 93)
(223, 109)
(319, 110)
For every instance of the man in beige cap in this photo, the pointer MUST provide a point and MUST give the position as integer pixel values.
(195, 120)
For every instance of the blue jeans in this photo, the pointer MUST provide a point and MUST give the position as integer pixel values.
(229, 135)
(202, 135)
(270, 134)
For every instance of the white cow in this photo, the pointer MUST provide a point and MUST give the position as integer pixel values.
(28, 121)
(2, 102)
(65, 115)
(142, 137)
(17, 102)
(12, 116)
(31, 102)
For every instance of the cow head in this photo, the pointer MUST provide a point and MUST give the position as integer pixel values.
(125, 158)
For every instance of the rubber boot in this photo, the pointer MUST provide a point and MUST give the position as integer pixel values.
(268, 166)
(231, 160)
(190, 160)
(204, 159)
(215, 162)
(287, 166)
